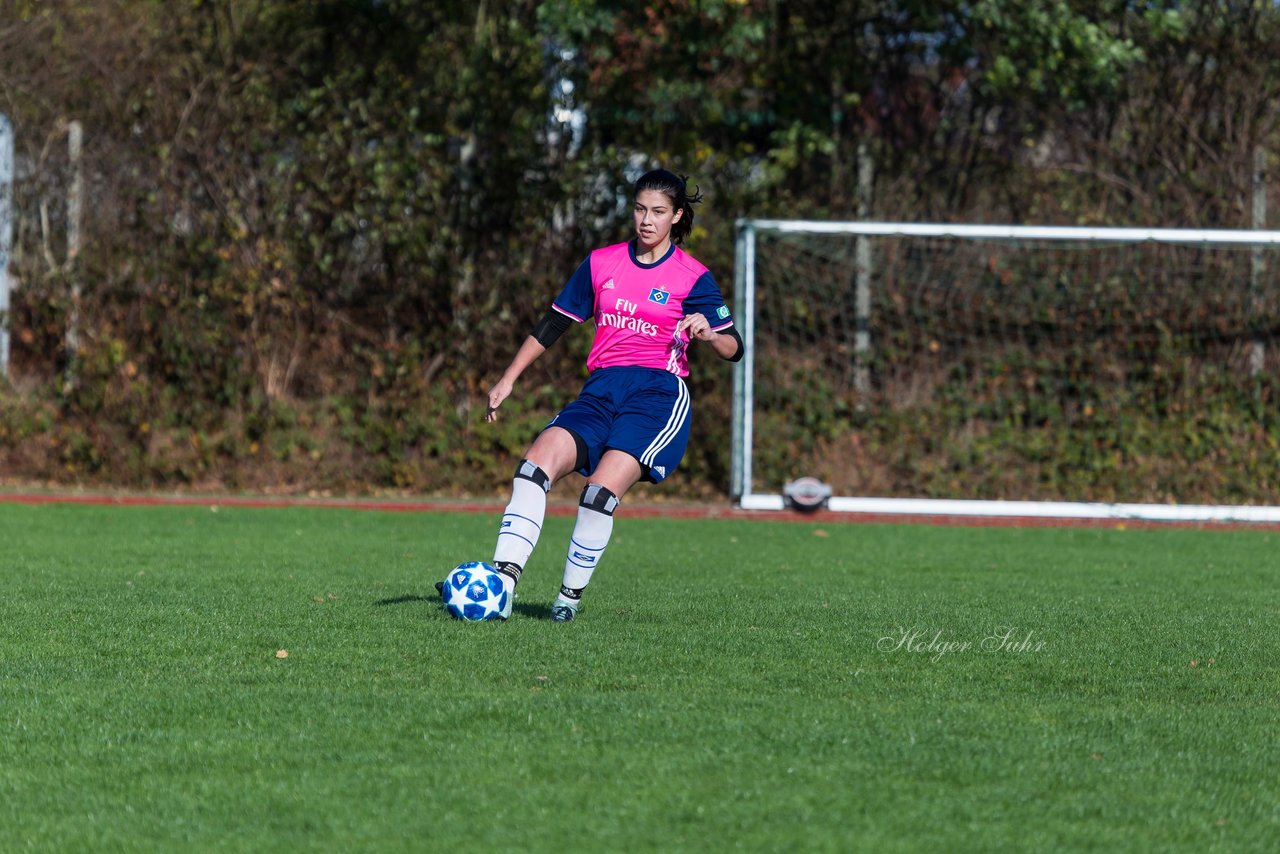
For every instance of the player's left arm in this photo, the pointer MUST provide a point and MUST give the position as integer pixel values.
(707, 318)
(727, 343)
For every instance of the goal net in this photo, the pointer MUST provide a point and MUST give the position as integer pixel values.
(1010, 370)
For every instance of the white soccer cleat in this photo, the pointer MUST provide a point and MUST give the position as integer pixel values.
(564, 610)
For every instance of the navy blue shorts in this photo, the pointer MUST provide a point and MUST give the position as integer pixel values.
(641, 411)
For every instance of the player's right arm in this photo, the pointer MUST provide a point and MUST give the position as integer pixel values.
(578, 295)
(528, 353)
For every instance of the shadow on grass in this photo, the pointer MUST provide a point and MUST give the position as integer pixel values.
(405, 600)
(539, 612)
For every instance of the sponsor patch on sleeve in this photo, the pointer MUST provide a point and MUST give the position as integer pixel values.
(722, 312)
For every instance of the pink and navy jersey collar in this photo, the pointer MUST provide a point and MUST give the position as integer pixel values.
(631, 250)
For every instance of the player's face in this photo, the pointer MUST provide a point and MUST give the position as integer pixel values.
(654, 215)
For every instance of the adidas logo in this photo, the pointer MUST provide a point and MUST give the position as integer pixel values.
(608, 286)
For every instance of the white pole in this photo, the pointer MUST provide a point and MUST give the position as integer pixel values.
(75, 137)
(6, 236)
(748, 362)
(737, 448)
(1258, 347)
(862, 285)
(1242, 236)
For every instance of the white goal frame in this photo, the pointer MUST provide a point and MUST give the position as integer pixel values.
(744, 375)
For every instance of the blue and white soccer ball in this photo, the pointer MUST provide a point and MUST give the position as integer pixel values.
(474, 591)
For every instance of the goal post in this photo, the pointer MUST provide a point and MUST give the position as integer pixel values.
(1001, 370)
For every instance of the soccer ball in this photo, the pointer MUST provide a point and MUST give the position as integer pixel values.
(474, 591)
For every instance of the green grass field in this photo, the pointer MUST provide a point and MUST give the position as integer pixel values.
(730, 684)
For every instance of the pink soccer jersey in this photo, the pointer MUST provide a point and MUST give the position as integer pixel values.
(637, 306)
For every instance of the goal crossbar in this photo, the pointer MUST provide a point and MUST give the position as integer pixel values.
(743, 413)
(1015, 232)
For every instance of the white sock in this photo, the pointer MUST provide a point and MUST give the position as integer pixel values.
(590, 536)
(522, 522)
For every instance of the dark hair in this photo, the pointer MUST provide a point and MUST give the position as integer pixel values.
(676, 188)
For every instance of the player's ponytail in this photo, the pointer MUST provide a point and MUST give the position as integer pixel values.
(676, 188)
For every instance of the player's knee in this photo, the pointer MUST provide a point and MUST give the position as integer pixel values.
(598, 498)
(529, 470)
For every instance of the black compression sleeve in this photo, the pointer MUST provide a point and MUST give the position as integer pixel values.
(550, 327)
(742, 348)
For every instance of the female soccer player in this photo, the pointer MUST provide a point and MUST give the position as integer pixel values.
(649, 300)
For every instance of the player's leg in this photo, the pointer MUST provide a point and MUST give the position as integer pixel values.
(564, 445)
(551, 456)
(617, 472)
(646, 440)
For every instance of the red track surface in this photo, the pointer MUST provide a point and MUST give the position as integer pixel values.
(635, 510)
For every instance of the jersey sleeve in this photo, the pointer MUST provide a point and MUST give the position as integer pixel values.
(705, 298)
(577, 298)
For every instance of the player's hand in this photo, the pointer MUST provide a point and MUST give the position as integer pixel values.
(497, 394)
(697, 326)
